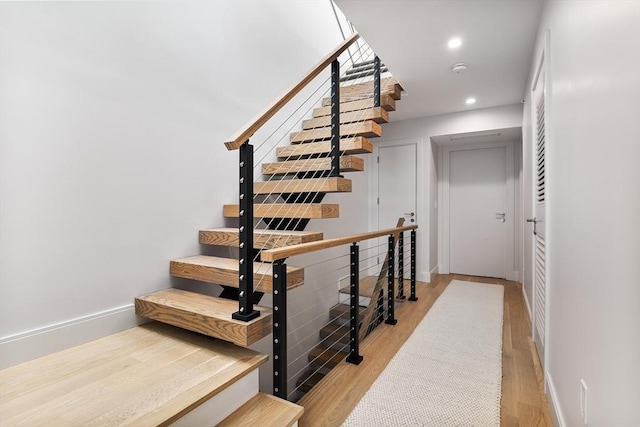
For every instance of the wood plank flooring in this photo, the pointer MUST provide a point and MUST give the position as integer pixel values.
(523, 402)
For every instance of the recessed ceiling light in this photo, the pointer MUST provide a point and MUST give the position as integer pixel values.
(454, 43)
(470, 101)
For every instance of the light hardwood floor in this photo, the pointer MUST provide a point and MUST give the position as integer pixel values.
(523, 402)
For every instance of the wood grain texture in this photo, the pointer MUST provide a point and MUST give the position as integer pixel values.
(224, 271)
(343, 312)
(388, 86)
(377, 114)
(523, 402)
(347, 164)
(310, 185)
(281, 253)
(369, 129)
(204, 314)
(386, 102)
(145, 376)
(368, 286)
(250, 128)
(334, 332)
(262, 239)
(264, 410)
(321, 357)
(355, 145)
(287, 210)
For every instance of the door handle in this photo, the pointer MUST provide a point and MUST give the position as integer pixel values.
(411, 214)
(535, 222)
(500, 216)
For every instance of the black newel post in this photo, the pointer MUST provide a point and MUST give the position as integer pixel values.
(354, 307)
(280, 329)
(376, 81)
(390, 291)
(413, 266)
(245, 273)
(335, 119)
(401, 265)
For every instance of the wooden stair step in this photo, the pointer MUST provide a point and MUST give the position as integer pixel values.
(264, 410)
(386, 102)
(334, 333)
(308, 380)
(204, 314)
(224, 271)
(355, 145)
(287, 210)
(368, 128)
(310, 185)
(347, 164)
(149, 375)
(377, 114)
(262, 239)
(343, 312)
(362, 66)
(363, 73)
(388, 86)
(367, 285)
(323, 357)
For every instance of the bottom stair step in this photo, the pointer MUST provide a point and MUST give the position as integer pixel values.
(149, 375)
(264, 410)
(204, 314)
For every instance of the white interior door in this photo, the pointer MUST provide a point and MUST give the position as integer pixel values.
(397, 180)
(478, 211)
(540, 179)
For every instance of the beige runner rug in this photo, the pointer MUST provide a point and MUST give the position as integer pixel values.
(449, 371)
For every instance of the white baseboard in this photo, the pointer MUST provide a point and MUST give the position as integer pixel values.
(556, 412)
(423, 277)
(29, 345)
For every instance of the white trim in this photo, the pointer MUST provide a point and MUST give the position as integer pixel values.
(526, 302)
(554, 407)
(28, 345)
(443, 203)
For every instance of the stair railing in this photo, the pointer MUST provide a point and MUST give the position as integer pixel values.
(279, 256)
(247, 252)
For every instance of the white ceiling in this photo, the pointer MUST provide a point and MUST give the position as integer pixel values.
(410, 37)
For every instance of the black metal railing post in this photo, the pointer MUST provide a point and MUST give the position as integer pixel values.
(376, 81)
(401, 266)
(391, 297)
(335, 119)
(413, 267)
(280, 329)
(354, 307)
(245, 272)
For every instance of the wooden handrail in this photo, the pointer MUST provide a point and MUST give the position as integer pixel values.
(304, 248)
(249, 129)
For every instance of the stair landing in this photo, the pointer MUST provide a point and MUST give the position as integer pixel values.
(149, 375)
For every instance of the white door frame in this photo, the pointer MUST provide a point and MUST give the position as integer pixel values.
(422, 257)
(511, 272)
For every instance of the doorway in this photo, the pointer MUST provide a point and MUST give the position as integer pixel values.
(478, 210)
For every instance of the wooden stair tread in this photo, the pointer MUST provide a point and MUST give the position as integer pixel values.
(377, 114)
(323, 357)
(148, 375)
(368, 128)
(262, 239)
(308, 185)
(204, 314)
(343, 311)
(287, 210)
(388, 86)
(335, 333)
(386, 102)
(347, 164)
(367, 285)
(264, 410)
(360, 74)
(224, 271)
(355, 145)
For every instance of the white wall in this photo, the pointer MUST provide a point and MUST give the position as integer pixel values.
(593, 154)
(508, 116)
(111, 158)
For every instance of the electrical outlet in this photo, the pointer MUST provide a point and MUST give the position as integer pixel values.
(584, 402)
